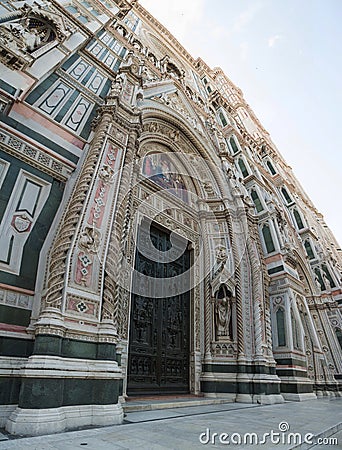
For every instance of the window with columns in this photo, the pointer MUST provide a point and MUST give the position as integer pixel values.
(257, 201)
(223, 119)
(268, 239)
(271, 167)
(286, 195)
(233, 145)
(243, 167)
(298, 219)
(308, 249)
(83, 18)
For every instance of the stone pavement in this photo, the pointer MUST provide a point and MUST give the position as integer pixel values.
(180, 428)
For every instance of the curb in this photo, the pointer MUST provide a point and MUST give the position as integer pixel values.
(324, 434)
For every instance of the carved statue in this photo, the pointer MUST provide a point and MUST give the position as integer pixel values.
(221, 256)
(32, 39)
(318, 284)
(208, 187)
(326, 282)
(282, 224)
(223, 312)
(223, 315)
(117, 86)
(181, 77)
(148, 76)
(164, 63)
(225, 165)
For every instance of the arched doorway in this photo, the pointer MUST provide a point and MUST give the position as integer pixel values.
(159, 340)
(166, 252)
(178, 190)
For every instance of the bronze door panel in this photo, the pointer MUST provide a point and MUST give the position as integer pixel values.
(158, 360)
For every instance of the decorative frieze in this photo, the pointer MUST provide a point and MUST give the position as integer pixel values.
(16, 299)
(35, 156)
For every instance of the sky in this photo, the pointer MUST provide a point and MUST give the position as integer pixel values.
(286, 57)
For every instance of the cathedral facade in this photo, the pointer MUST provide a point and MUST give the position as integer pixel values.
(153, 239)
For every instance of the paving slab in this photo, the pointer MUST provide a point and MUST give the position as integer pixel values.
(157, 414)
(165, 402)
(322, 417)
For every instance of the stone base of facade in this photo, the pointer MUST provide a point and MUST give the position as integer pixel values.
(299, 397)
(34, 422)
(297, 389)
(5, 412)
(64, 384)
(329, 389)
(248, 384)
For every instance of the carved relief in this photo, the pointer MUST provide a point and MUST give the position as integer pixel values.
(30, 32)
(90, 239)
(154, 127)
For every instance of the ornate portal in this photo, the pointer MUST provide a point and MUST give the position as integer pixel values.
(159, 325)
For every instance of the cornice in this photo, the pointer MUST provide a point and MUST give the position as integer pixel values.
(160, 29)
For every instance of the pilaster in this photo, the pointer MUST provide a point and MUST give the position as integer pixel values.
(73, 378)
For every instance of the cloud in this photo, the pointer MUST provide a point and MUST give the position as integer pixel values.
(244, 50)
(246, 16)
(273, 39)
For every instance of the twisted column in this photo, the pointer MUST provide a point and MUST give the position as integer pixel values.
(57, 268)
(113, 296)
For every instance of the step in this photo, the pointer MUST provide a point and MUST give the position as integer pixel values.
(153, 403)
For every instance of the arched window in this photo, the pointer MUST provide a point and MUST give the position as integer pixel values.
(270, 167)
(298, 219)
(233, 144)
(223, 119)
(243, 167)
(256, 200)
(309, 250)
(269, 244)
(280, 315)
(286, 195)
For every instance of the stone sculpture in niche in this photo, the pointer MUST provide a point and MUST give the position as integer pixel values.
(223, 313)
